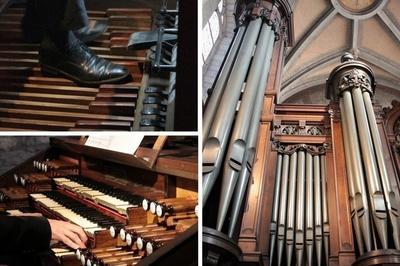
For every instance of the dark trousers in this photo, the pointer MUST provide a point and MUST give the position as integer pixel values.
(57, 15)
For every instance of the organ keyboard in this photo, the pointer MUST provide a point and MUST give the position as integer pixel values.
(105, 197)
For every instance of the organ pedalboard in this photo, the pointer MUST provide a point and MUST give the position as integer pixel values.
(30, 100)
(126, 218)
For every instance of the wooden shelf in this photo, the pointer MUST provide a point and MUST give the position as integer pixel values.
(181, 163)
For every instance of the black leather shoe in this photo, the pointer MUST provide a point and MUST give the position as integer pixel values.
(33, 32)
(80, 64)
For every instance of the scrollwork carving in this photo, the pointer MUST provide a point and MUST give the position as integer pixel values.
(292, 148)
(289, 130)
(305, 130)
(314, 131)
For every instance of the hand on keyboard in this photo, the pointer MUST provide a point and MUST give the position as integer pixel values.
(68, 233)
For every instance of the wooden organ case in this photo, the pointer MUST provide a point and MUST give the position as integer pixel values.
(324, 185)
(136, 209)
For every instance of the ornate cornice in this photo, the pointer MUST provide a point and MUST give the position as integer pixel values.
(292, 148)
(297, 130)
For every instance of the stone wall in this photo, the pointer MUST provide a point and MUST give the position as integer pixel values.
(15, 150)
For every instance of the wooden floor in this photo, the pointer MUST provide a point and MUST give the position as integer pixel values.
(30, 101)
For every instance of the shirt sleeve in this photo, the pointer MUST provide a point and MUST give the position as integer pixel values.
(24, 234)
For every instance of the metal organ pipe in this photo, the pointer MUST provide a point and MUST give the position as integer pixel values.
(390, 196)
(291, 211)
(309, 234)
(283, 197)
(374, 185)
(234, 162)
(248, 159)
(325, 218)
(219, 87)
(318, 211)
(358, 191)
(373, 200)
(215, 143)
(275, 204)
(299, 205)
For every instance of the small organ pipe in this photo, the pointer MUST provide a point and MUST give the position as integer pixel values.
(309, 234)
(283, 197)
(300, 204)
(291, 208)
(275, 206)
(325, 218)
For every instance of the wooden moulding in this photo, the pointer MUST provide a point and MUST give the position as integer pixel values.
(155, 159)
(379, 257)
(102, 239)
(251, 232)
(137, 216)
(341, 232)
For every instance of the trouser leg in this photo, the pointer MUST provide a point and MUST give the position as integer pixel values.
(60, 15)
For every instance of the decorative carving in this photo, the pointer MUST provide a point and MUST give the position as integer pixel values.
(289, 130)
(355, 78)
(314, 131)
(269, 14)
(301, 130)
(292, 148)
(396, 130)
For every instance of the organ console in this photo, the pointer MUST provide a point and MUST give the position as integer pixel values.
(32, 101)
(105, 193)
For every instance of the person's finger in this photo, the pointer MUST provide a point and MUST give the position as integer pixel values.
(78, 230)
(74, 238)
(68, 242)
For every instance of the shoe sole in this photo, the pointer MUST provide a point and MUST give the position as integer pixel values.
(51, 71)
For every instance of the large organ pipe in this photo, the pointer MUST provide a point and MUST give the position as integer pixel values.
(215, 143)
(374, 185)
(390, 196)
(300, 200)
(373, 200)
(234, 159)
(309, 234)
(357, 187)
(218, 89)
(291, 208)
(241, 187)
(283, 197)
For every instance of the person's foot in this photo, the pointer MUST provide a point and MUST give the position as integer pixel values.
(92, 31)
(73, 59)
(33, 32)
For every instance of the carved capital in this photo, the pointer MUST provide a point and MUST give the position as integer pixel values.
(269, 13)
(350, 74)
(355, 78)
